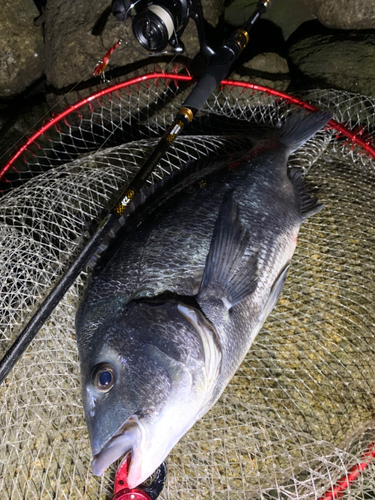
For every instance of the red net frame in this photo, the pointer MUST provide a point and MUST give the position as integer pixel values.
(354, 137)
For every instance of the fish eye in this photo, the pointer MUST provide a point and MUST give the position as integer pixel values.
(103, 377)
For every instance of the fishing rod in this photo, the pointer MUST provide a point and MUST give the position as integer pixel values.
(216, 70)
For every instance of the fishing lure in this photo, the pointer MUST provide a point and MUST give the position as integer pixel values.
(101, 66)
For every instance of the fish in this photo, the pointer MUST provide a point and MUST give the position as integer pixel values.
(165, 323)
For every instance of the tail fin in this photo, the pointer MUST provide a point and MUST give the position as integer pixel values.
(300, 127)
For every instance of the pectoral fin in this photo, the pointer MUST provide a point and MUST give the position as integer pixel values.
(228, 273)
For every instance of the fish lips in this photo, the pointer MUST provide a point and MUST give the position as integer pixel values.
(128, 439)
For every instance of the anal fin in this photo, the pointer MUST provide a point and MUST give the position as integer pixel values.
(309, 204)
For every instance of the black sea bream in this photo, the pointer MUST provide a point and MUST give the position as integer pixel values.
(163, 327)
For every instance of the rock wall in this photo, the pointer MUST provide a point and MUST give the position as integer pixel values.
(334, 58)
(21, 47)
(343, 14)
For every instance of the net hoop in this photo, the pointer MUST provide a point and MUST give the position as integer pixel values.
(353, 136)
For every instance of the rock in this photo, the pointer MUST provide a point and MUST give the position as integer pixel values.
(18, 123)
(191, 40)
(333, 58)
(212, 10)
(21, 47)
(287, 14)
(72, 51)
(268, 69)
(343, 14)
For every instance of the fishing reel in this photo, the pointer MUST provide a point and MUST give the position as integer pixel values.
(157, 24)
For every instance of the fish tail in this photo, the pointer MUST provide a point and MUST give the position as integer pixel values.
(300, 127)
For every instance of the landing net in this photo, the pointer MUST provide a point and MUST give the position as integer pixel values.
(298, 419)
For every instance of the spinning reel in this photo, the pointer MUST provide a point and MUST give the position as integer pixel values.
(156, 25)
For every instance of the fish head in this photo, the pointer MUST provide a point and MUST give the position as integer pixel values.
(146, 378)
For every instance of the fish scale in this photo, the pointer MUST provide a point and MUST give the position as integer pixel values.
(171, 316)
(146, 260)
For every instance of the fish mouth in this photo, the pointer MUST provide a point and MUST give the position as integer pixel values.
(127, 439)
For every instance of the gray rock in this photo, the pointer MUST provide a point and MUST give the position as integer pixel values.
(72, 51)
(16, 126)
(268, 69)
(212, 10)
(21, 47)
(287, 14)
(343, 14)
(343, 60)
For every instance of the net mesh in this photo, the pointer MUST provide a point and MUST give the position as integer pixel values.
(297, 418)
